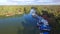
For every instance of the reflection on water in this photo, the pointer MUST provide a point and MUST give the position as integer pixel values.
(25, 24)
(30, 23)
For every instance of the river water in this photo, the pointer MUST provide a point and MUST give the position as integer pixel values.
(25, 24)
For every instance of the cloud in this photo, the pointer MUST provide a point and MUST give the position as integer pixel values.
(28, 2)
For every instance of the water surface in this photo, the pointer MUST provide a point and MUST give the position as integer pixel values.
(25, 24)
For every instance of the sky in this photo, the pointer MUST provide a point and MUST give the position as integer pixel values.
(29, 2)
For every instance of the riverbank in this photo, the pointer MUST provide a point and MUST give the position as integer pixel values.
(14, 16)
(13, 10)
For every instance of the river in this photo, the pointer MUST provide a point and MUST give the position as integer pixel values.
(25, 24)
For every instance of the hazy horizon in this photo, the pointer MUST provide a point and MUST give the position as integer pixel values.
(29, 2)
